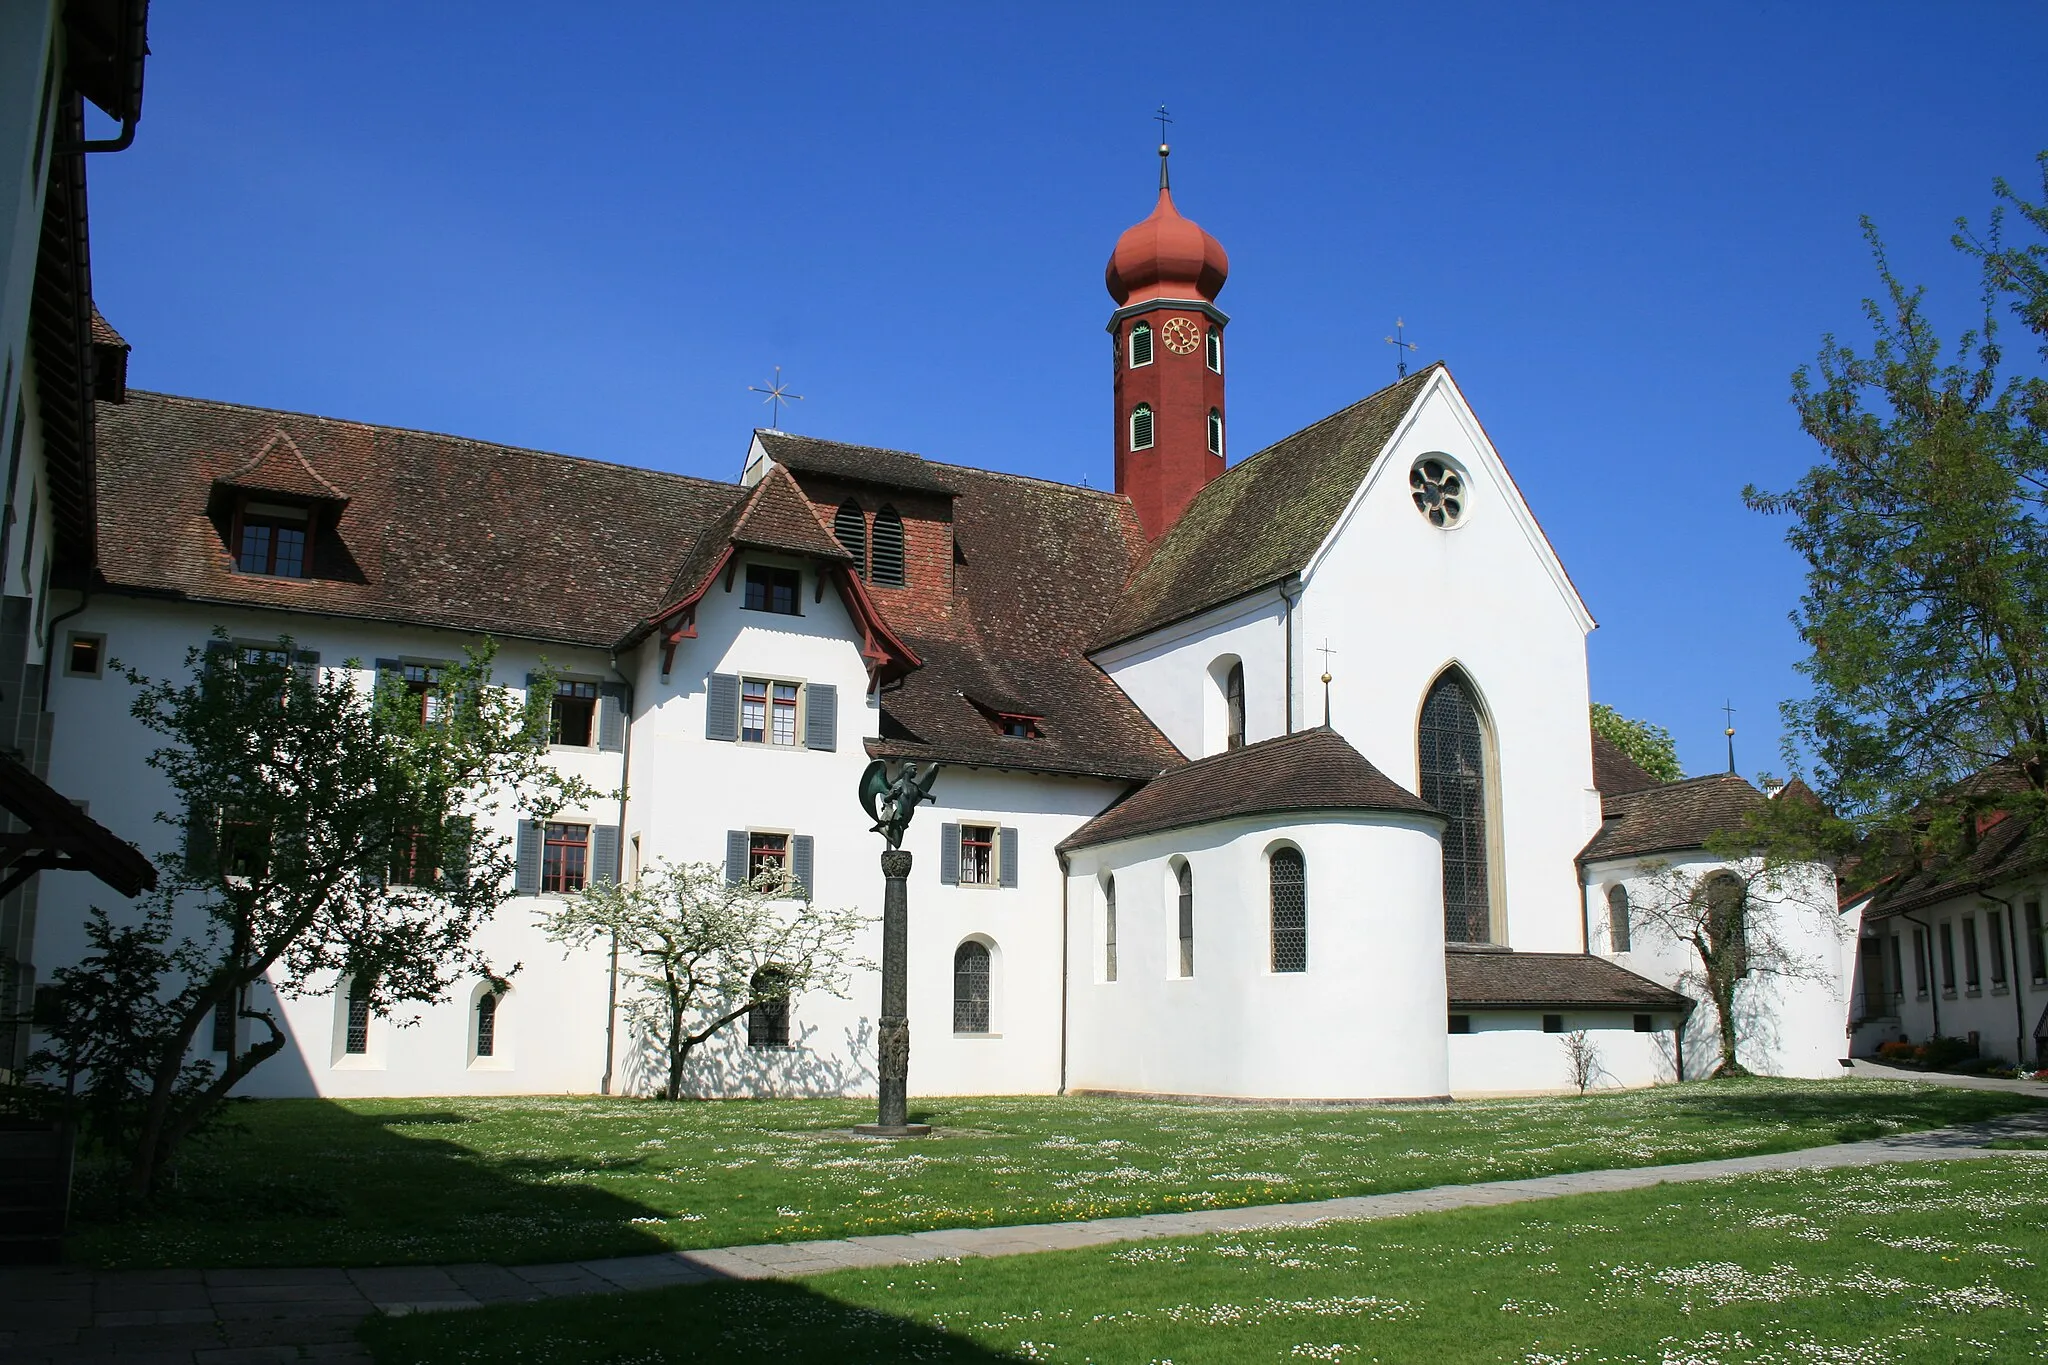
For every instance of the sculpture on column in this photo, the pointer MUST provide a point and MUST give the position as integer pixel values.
(890, 800)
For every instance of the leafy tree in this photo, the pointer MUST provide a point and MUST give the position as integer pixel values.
(1926, 603)
(701, 952)
(1649, 745)
(330, 831)
(1741, 922)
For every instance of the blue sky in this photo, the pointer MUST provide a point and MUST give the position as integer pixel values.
(590, 228)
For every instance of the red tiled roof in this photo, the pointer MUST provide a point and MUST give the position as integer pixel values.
(1482, 979)
(1614, 772)
(280, 468)
(439, 531)
(1312, 770)
(1671, 817)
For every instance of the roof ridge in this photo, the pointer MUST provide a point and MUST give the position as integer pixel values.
(1108, 493)
(430, 435)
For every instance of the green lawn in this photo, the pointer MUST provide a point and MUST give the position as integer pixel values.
(1902, 1263)
(513, 1181)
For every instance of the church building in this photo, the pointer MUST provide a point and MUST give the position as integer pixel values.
(1167, 855)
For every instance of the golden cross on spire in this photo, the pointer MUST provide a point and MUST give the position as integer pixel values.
(1402, 346)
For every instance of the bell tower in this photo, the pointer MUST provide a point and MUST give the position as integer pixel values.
(1167, 345)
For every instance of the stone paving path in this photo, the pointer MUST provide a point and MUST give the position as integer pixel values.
(67, 1315)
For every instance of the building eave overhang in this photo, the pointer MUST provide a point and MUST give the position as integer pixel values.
(1131, 310)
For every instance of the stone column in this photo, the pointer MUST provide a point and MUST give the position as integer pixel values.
(892, 1043)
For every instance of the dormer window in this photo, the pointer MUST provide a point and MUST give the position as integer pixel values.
(1018, 727)
(1141, 345)
(273, 540)
(773, 589)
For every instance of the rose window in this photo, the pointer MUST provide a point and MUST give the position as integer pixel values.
(1439, 490)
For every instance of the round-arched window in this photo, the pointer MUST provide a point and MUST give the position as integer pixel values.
(1438, 489)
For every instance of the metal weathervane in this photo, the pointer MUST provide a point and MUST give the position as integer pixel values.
(778, 395)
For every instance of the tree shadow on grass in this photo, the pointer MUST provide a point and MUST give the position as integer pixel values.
(724, 1321)
(1852, 1115)
(312, 1182)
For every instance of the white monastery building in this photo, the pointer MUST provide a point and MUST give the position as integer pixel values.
(1166, 856)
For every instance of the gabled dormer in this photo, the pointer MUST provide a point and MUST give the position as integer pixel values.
(277, 516)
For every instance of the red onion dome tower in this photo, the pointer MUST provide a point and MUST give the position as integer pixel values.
(1165, 275)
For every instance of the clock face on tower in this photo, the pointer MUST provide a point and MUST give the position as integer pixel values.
(1180, 335)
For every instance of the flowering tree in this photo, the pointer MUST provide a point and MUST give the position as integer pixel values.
(700, 952)
(329, 830)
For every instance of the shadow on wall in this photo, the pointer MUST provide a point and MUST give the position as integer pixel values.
(803, 1071)
(727, 1321)
(314, 1182)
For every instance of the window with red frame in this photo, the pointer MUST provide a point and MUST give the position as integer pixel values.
(767, 853)
(423, 681)
(767, 712)
(977, 855)
(415, 858)
(565, 858)
(272, 545)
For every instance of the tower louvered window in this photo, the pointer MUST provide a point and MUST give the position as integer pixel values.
(1453, 761)
(970, 988)
(1216, 349)
(1141, 427)
(850, 524)
(1215, 431)
(1141, 346)
(888, 551)
(1288, 889)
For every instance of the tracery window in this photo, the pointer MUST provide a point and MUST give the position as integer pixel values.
(1452, 749)
(1438, 490)
(970, 988)
(487, 1024)
(1617, 918)
(356, 1034)
(888, 552)
(1185, 877)
(850, 524)
(1288, 892)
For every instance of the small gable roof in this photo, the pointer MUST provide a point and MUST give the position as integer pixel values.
(280, 467)
(1494, 979)
(777, 516)
(1312, 770)
(859, 464)
(1263, 519)
(1671, 817)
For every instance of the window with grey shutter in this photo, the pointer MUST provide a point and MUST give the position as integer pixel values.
(722, 707)
(611, 718)
(604, 855)
(735, 857)
(308, 665)
(949, 855)
(800, 858)
(526, 859)
(821, 716)
(1006, 860)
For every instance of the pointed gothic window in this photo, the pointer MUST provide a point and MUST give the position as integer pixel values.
(1141, 427)
(850, 524)
(1452, 748)
(1185, 876)
(1233, 707)
(1288, 890)
(970, 988)
(1215, 431)
(888, 556)
(1216, 349)
(1141, 347)
(1617, 919)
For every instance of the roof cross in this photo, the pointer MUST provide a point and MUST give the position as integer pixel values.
(1326, 652)
(779, 395)
(1163, 118)
(1728, 709)
(1402, 346)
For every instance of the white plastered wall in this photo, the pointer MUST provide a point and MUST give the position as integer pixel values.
(1174, 674)
(1365, 1021)
(554, 1017)
(1791, 1026)
(1508, 1053)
